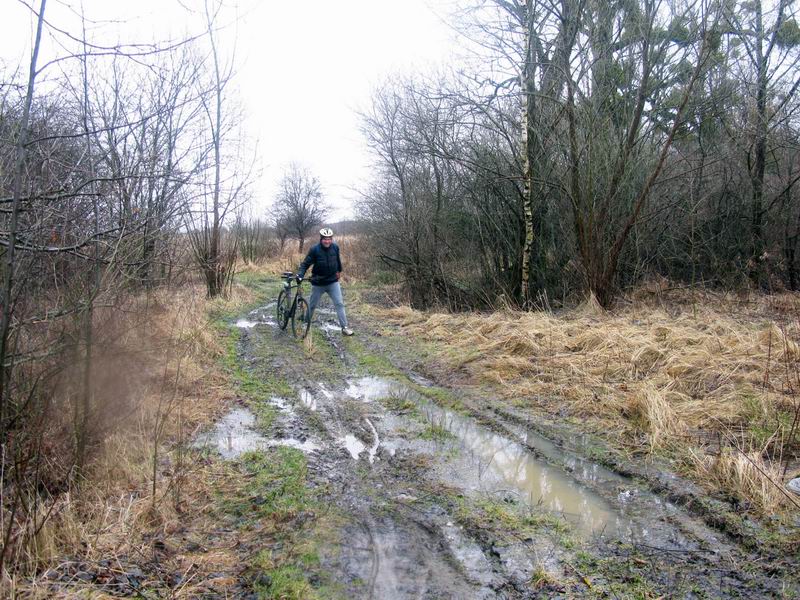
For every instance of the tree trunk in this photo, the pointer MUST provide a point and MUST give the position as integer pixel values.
(215, 276)
(10, 263)
(757, 275)
(528, 90)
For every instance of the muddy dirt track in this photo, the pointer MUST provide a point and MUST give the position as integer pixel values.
(425, 489)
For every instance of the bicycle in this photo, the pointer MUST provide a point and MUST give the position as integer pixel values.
(294, 309)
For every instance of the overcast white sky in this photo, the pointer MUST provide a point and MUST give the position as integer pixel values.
(304, 68)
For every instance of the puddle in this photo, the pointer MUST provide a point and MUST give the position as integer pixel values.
(353, 445)
(373, 450)
(506, 467)
(368, 389)
(582, 468)
(396, 559)
(498, 466)
(469, 555)
(306, 446)
(281, 403)
(263, 315)
(245, 324)
(330, 327)
(262, 309)
(233, 435)
(308, 399)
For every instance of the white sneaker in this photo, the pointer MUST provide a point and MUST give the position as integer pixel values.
(347, 331)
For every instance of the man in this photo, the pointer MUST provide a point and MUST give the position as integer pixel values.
(325, 275)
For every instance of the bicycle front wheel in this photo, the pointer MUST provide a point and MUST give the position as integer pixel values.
(301, 319)
(283, 309)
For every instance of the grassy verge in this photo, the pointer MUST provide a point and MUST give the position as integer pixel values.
(372, 362)
(269, 497)
(139, 481)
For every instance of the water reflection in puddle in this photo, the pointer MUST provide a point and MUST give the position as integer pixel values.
(308, 399)
(233, 435)
(368, 389)
(355, 446)
(259, 316)
(330, 327)
(503, 465)
(494, 464)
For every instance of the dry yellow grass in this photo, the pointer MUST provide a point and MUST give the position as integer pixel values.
(661, 380)
(178, 386)
(355, 258)
(753, 478)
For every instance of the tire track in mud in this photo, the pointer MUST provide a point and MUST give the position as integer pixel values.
(386, 549)
(395, 552)
(400, 537)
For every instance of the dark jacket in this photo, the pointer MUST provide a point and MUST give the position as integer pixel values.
(327, 264)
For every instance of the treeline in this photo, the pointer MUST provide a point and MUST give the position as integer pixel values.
(120, 165)
(590, 145)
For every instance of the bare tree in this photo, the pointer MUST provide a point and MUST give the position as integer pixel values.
(299, 205)
(769, 66)
(255, 239)
(95, 178)
(226, 186)
(8, 295)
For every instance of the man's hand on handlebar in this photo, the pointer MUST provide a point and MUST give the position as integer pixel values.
(299, 278)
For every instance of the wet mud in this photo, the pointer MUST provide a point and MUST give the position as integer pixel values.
(437, 502)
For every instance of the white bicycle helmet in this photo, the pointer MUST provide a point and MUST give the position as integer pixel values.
(325, 232)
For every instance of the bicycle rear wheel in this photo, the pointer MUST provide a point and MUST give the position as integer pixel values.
(283, 308)
(301, 319)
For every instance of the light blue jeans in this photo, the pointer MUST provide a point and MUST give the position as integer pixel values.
(333, 290)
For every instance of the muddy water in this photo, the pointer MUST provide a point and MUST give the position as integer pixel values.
(234, 434)
(263, 315)
(369, 389)
(496, 465)
(330, 327)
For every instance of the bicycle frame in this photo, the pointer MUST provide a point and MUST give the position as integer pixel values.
(287, 310)
(298, 294)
